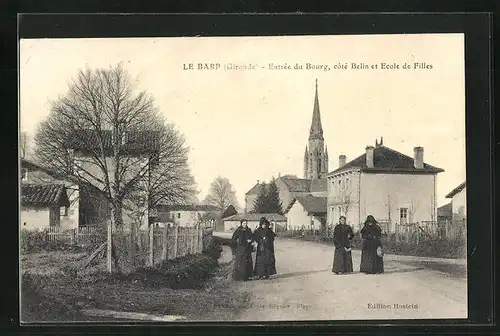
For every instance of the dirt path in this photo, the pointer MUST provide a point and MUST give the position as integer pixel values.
(306, 289)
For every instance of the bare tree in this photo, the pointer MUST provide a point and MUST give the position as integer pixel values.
(221, 194)
(23, 144)
(106, 135)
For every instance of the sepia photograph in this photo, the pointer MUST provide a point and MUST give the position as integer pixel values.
(249, 178)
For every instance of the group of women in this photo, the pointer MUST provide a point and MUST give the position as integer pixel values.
(244, 242)
(262, 240)
(372, 261)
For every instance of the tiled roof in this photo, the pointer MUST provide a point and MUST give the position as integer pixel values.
(456, 190)
(297, 185)
(445, 210)
(255, 189)
(44, 195)
(386, 159)
(188, 207)
(311, 204)
(318, 185)
(91, 139)
(256, 217)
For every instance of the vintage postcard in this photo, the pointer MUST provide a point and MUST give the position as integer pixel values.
(290, 178)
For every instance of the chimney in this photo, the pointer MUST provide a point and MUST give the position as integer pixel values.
(418, 157)
(342, 160)
(369, 156)
(258, 181)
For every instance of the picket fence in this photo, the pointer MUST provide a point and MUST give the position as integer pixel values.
(82, 236)
(144, 247)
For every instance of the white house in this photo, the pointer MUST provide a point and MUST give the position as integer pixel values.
(42, 191)
(278, 222)
(187, 215)
(391, 186)
(307, 212)
(86, 149)
(458, 202)
(41, 205)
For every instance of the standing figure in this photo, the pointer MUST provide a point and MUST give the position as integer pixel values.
(342, 258)
(372, 261)
(242, 243)
(265, 262)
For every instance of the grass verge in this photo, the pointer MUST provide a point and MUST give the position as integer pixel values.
(193, 286)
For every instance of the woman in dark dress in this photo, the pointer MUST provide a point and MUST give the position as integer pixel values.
(372, 261)
(242, 242)
(342, 258)
(265, 262)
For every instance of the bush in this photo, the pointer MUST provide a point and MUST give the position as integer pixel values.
(36, 241)
(189, 272)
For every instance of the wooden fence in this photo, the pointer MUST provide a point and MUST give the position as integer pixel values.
(144, 247)
(414, 233)
(82, 236)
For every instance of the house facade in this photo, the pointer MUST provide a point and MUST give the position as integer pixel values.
(187, 215)
(278, 222)
(395, 188)
(89, 151)
(458, 202)
(306, 212)
(42, 191)
(42, 206)
(251, 195)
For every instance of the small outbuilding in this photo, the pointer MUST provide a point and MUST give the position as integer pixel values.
(41, 205)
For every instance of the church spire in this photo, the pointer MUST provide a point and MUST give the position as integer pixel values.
(316, 131)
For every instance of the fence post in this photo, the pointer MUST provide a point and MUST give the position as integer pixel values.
(109, 258)
(164, 243)
(73, 237)
(200, 239)
(176, 240)
(151, 245)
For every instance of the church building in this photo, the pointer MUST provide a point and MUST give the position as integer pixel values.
(316, 153)
(313, 182)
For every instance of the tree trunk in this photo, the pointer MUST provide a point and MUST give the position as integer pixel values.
(115, 223)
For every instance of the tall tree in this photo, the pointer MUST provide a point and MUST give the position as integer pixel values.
(260, 202)
(23, 144)
(268, 199)
(105, 134)
(275, 205)
(221, 194)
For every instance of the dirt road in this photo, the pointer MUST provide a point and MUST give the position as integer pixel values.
(306, 289)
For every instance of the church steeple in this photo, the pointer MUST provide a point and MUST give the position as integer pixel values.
(316, 131)
(316, 155)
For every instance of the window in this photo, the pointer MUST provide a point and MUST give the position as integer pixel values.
(178, 215)
(403, 216)
(64, 211)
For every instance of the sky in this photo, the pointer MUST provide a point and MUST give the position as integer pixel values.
(250, 125)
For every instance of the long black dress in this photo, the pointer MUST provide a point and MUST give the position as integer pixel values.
(265, 261)
(342, 260)
(371, 262)
(242, 268)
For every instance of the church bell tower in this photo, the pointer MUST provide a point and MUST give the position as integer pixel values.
(316, 153)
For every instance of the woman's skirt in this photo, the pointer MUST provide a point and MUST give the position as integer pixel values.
(342, 261)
